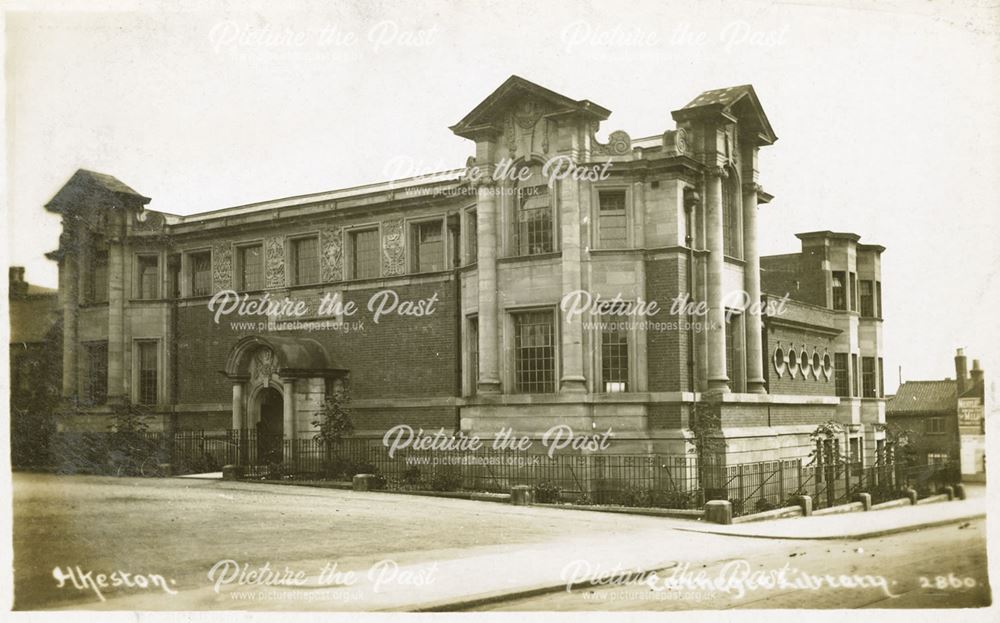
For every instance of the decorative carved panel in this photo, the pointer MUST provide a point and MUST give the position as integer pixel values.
(222, 267)
(393, 248)
(331, 253)
(274, 262)
(262, 366)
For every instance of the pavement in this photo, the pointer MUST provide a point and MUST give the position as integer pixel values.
(850, 525)
(456, 579)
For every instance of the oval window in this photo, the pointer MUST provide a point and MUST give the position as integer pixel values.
(779, 361)
(827, 366)
(793, 362)
(804, 364)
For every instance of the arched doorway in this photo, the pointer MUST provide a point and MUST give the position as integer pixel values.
(270, 422)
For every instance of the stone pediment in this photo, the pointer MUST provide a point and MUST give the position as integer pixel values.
(739, 103)
(521, 104)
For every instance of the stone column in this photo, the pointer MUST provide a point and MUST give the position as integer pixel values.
(571, 331)
(288, 411)
(238, 405)
(486, 225)
(751, 283)
(116, 319)
(69, 294)
(718, 381)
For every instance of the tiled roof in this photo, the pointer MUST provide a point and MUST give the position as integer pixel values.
(725, 96)
(88, 187)
(923, 397)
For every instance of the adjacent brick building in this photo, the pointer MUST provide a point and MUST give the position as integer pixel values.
(491, 261)
(943, 420)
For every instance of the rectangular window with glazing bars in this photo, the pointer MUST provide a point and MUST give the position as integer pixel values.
(251, 267)
(148, 371)
(534, 352)
(612, 220)
(534, 221)
(614, 357)
(201, 273)
(305, 260)
(364, 262)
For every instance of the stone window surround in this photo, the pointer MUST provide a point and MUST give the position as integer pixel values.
(348, 248)
(290, 257)
(187, 270)
(136, 275)
(409, 225)
(134, 390)
(469, 213)
(238, 265)
(507, 214)
(508, 372)
(595, 213)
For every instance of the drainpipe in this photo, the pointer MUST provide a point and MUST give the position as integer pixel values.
(691, 198)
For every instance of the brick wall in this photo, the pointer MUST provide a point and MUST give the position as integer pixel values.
(667, 350)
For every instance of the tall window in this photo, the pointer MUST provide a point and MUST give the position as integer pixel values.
(201, 273)
(839, 290)
(305, 260)
(855, 376)
(99, 277)
(427, 247)
(149, 277)
(854, 291)
(731, 230)
(868, 377)
(734, 351)
(471, 237)
(174, 276)
(533, 220)
(534, 352)
(147, 372)
(614, 356)
(612, 222)
(841, 374)
(881, 378)
(251, 267)
(95, 389)
(364, 258)
(867, 298)
(878, 299)
(473, 349)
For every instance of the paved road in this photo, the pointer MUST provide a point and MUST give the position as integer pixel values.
(178, 529)
(911, 563)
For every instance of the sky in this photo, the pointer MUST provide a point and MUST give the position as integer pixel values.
(886, 116)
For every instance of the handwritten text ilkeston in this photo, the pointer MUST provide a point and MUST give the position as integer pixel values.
(558, 437)
(99, 582)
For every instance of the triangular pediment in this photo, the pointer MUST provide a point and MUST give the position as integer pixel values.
(739, 102)
(89, 189)
(527, 99)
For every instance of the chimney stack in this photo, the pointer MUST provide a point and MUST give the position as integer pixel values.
(16, 284)
(961, 371)
(976, 373)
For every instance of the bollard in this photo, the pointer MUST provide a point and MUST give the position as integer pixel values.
(806, 503)
(719, 511)
(865, 499)
(363, 482)
(960, 491)
(912, 494)
(232, 472)
(522, 495)
(950, 492)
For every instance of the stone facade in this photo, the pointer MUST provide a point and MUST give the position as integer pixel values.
(543, 212)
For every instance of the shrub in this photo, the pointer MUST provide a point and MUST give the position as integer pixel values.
(764, 504)
(546, 492)
(446, 479)
(411, 475)
(677, 499)
(636, 496)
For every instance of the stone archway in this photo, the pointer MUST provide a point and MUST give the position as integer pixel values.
(278, 375)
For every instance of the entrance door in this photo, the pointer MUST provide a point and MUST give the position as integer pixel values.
(270, 427)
